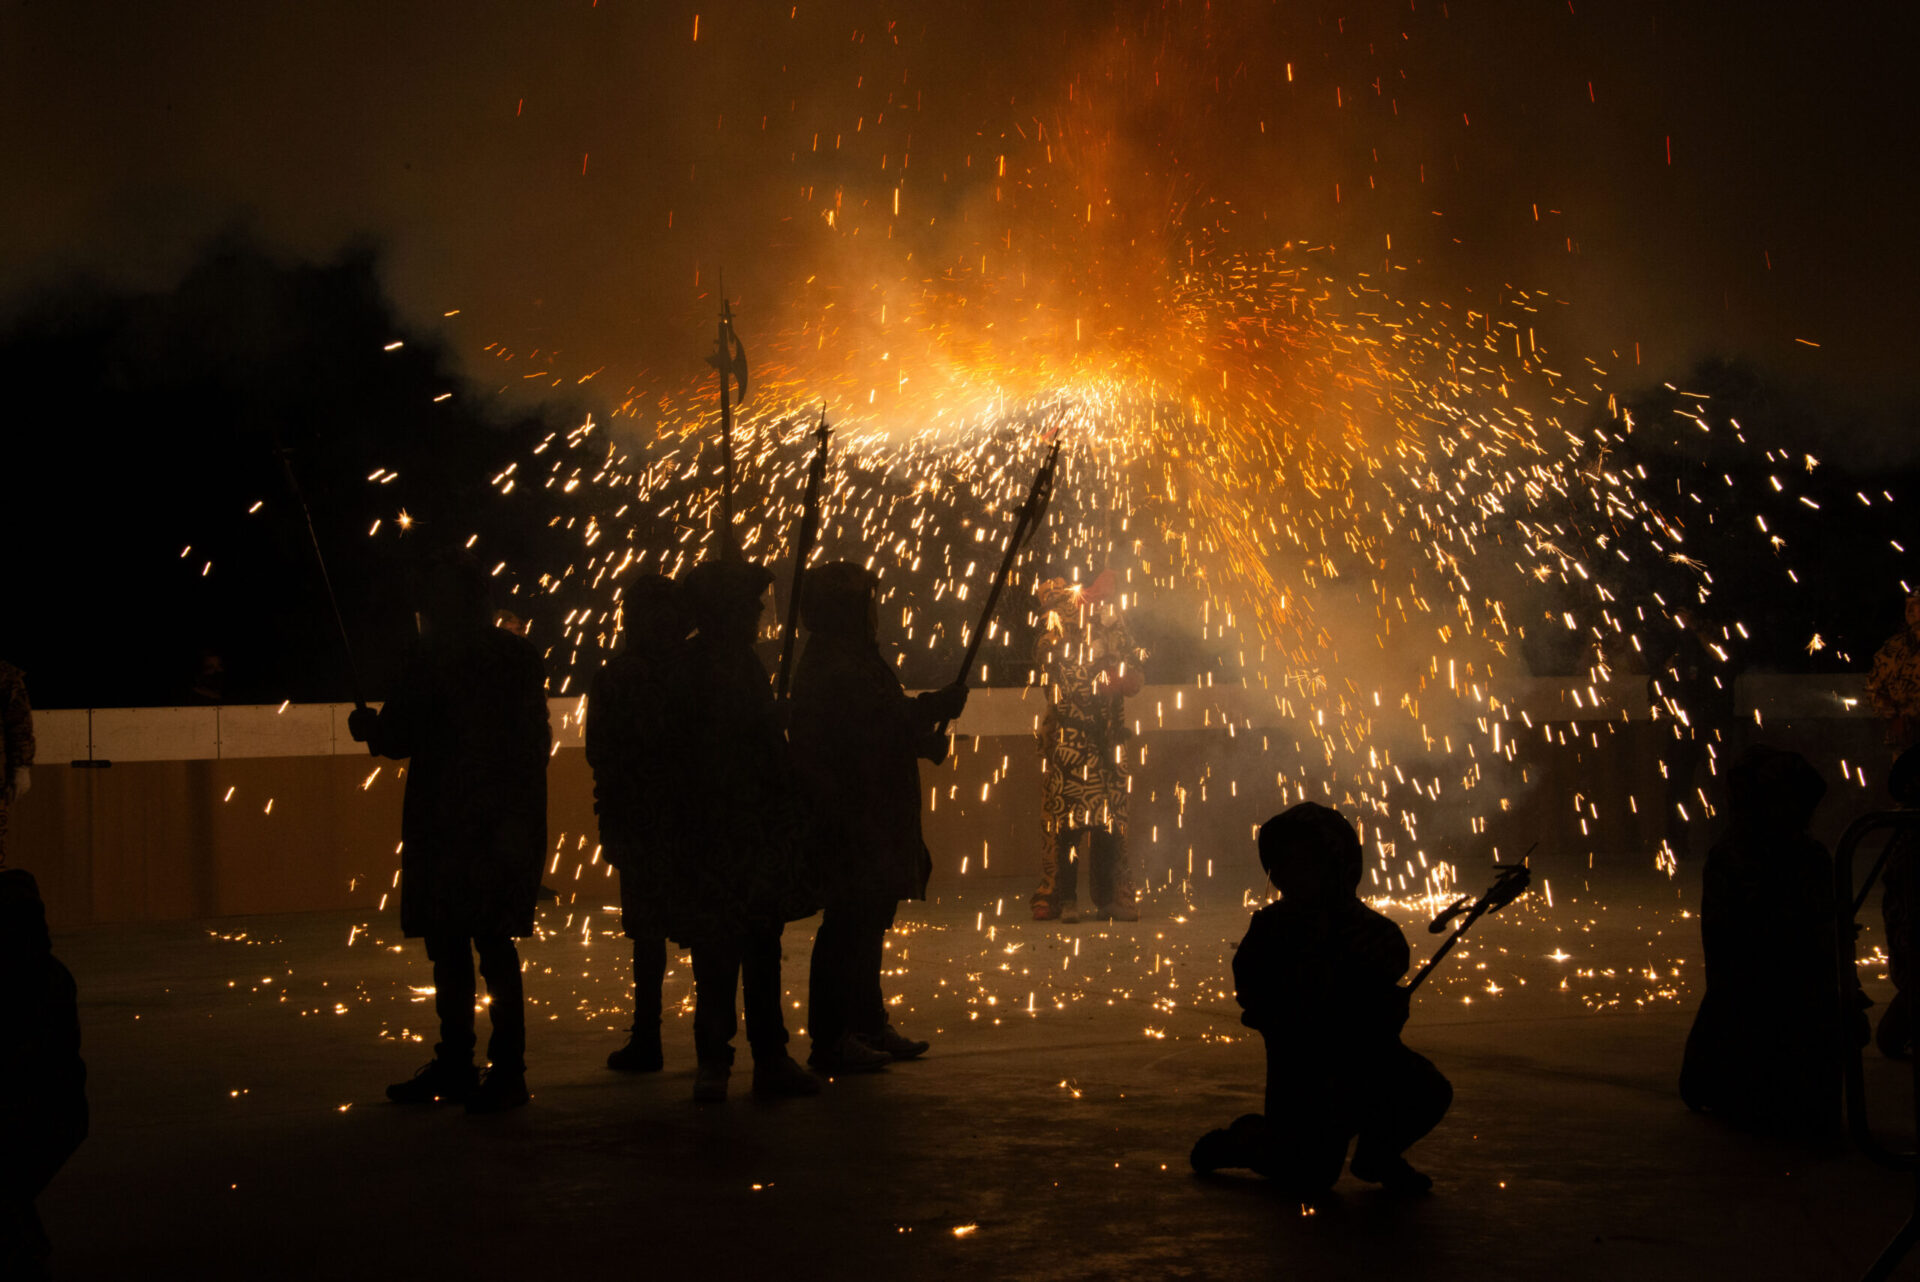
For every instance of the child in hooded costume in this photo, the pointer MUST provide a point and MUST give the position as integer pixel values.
(1764, 1050)
(740, 877)
(640, 729)
(470, 715)
(1318, 975)
(859, 738)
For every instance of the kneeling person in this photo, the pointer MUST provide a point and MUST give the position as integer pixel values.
(1318, 975)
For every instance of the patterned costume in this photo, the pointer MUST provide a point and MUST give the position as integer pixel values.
(1893, 682)
(16, 740)
(1088, 663)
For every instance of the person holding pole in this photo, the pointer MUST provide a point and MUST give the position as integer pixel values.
(1318, 975)
(859, 738)
(470, 714)
(743, 872)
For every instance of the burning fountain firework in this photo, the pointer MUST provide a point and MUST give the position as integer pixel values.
(1366, 500)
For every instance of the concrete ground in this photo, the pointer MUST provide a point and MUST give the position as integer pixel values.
(240, 1129)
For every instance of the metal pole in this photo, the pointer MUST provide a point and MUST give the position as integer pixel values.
(326, 580)
(723, 357)
(802, 548)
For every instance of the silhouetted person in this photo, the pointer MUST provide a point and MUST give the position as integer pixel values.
(1090, 665)
(470, 712)
(639, 719)
(16, 745)
(744, 881)
(1894, 1033)
(1318, 974)
(43, 1082)
(1764, 1051)
(859, 738)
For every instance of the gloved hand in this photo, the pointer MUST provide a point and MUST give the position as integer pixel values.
(947, 702)
(360, 723)
(18, 781)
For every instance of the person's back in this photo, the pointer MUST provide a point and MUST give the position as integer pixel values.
(1320, 983)
(1764, 1047)
(639, 734)
(640, 724)
(470, 717)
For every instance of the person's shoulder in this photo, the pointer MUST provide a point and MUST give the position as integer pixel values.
(1371, 920)
(1272, 919)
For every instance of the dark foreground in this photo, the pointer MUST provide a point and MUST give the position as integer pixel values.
(240, 1131)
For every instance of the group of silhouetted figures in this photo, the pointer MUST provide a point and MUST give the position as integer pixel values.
(725, 816)
(728, 815)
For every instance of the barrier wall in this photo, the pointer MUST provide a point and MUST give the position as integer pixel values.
(142, 814)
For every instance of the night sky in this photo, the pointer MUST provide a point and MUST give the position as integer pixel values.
(520, 162)
(221, 218)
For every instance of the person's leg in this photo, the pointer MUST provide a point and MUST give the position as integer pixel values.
(761, 992)
(774, 1071)
(827, 980)
(500, 967)
(450, 1075)
(716, 979)
(866, 1000)
(1397, 1104)
(1046, 896)
(1099, 870)
(452, 959)
(1056, 844)
(649, 976)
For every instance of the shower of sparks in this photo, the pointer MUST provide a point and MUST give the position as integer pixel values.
(1367, 492)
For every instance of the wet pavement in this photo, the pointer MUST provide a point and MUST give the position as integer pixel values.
(240, 1130)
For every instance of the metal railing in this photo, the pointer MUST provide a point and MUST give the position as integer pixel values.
(1849, 901)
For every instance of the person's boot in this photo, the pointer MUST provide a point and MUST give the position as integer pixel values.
(1069, 911)
(849, 1054)
(1215, 1151)
(498, 1092)
(1045, 910)
(710, 1083)
(641, 1054)
(889, 1042)
(439, 1081)
(1392, 1173)
(779, 1076)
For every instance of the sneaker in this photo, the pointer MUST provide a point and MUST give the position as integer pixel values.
(849, 1055)
(439, 1081)
(1069, 911)
(782, 1077)
(498, 1091)
(889, 1042)
(641, 1054)
(710, 1083)
(1392, 1174)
